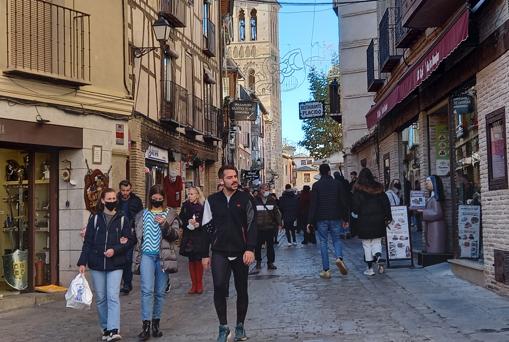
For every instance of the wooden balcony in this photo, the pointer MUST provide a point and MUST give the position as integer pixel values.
(421, 14)
(48, 41)
(209, 38)
(174, 11)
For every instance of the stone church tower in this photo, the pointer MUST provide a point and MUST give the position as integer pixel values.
(255, 48)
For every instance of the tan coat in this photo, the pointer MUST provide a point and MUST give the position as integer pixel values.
(167, 249)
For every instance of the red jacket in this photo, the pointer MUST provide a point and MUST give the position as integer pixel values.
(173, 192)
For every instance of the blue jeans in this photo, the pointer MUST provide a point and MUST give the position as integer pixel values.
(334, 228)
(153, 286)
(107, 290)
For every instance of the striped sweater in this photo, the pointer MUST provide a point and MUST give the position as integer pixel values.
(152, 231)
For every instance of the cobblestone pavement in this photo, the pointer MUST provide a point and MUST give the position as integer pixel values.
(294, 304)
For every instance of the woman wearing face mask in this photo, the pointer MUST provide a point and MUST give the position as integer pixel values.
(154, 257)
(393, 193)
(107, 239)
(194, 238)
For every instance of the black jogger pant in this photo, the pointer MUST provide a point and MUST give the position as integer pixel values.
(290, 231)
(268, 237)
(222, 268)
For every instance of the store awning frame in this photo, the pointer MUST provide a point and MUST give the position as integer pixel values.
(450, 40)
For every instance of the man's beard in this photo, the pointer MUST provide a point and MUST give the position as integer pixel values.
(231, 187)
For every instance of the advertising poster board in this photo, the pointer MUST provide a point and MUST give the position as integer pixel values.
(469, 224)
(417, 200)
(398, 238)
(442, 150)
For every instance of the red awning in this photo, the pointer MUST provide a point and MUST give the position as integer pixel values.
(421, 70)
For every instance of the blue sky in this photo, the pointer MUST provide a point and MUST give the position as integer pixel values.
(303, 44)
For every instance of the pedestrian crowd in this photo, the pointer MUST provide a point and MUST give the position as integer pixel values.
(226, 232)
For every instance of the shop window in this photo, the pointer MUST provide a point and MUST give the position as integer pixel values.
(29, 236)
(307, 177)
(497, 147)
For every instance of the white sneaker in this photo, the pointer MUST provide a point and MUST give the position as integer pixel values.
(294, 243)
(369, 272)
(289, 244)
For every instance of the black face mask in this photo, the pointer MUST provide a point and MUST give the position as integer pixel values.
(156, 203)
(397, 186)
(111, 205)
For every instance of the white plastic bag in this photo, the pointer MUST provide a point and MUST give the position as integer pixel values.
(79, 295)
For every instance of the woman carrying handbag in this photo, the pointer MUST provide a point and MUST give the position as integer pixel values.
(194, 243)
(155, 257)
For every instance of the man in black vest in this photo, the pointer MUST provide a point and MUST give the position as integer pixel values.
(229, 218)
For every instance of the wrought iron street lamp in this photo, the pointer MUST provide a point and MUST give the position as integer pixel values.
(161, 29)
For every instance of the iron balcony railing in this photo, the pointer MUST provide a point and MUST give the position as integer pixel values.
(388, 54)
(209, 38)
(404, 36)
(48, 40)
(174, 11)
(373, 83)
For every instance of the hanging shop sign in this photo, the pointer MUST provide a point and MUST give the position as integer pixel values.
(157, 154)
(461, 107)
(95, 182)
(243, 110)
(469, 224)
(417, 200)
(311, 110)
(443, 164)
(250, 174)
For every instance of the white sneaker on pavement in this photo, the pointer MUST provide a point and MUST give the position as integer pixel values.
(369, 272)
(289, 244)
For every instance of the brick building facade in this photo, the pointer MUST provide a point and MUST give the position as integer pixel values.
(449, 120)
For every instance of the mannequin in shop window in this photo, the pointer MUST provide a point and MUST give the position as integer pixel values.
(435, 231)
(173, 187)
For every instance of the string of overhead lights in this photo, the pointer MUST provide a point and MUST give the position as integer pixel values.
(293, 3)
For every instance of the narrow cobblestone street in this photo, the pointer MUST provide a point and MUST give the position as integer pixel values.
(294, 304)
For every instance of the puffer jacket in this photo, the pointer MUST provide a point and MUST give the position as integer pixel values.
(100, 237)
(372, 210)
(289, 206)
(167, 248)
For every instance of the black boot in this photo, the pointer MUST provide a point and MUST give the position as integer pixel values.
(145, 334)
(155, 328)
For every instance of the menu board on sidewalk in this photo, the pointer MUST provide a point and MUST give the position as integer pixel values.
(398, 235)
(417, 200)
(469, 224)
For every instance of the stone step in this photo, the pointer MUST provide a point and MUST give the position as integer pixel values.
(469, 270)
(15, 301)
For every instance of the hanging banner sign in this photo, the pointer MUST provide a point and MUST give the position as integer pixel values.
(311, 110)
